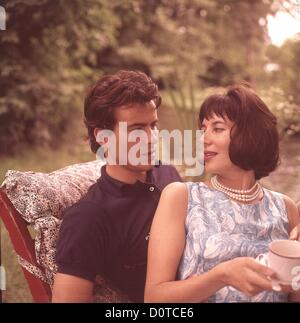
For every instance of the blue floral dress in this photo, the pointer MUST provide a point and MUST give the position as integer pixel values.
(219, 229)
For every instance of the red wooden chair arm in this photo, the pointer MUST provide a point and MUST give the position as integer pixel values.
(24, 246)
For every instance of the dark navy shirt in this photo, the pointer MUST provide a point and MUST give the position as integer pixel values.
(106, 232)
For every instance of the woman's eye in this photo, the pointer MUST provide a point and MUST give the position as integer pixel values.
(219, 129)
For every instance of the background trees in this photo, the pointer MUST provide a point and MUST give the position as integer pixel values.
(52, 50)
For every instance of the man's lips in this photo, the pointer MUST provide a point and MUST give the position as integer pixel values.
(209, 155)
(150, 153)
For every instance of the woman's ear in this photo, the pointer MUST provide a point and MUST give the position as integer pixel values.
(99, 139)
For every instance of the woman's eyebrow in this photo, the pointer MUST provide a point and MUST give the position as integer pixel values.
(216, 122)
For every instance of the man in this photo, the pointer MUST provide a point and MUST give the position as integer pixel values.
(106, 232)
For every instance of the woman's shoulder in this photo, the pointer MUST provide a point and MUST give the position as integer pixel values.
(173, 202)
(289, 205)
(175, 189)
(186, 192)
(175, 194)
(202, 187)
(292, 210)
(278, 195)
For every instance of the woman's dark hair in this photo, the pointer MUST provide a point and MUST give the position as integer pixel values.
(124, 88)
(254, 141)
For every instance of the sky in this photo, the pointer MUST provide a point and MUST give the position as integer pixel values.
(283, 26)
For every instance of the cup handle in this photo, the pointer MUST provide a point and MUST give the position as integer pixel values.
(263, 259)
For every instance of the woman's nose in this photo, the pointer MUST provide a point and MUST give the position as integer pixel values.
(207, 138)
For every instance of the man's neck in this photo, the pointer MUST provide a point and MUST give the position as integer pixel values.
(125, 175)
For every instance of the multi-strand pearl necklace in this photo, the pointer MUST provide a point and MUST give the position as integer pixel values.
(239, 195)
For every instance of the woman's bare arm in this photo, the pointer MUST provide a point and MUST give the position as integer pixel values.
(166, 245)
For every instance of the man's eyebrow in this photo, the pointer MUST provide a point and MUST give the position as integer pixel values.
(139, 124)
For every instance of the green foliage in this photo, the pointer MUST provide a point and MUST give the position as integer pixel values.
(47, 58)
(288, 59)
(285, 109)
(51, 50)
(284, 86)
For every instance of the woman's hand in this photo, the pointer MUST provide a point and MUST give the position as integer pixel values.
(295, 233)
(246, 275)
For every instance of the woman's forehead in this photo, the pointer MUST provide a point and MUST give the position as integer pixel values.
(216, 118)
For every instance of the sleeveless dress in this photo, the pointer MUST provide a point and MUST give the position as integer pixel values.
(219, 229)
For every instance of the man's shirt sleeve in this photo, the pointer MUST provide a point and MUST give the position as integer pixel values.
(82, 242)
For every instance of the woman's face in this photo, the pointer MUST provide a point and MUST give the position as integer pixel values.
(216, 144)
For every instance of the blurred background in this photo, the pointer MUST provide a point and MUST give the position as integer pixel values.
(52, 50)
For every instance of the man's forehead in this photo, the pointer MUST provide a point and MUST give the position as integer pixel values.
(137, 108)
(137, 114)
(139, 105)
(153, 104)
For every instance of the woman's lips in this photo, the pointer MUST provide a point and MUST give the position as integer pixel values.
(209, 155)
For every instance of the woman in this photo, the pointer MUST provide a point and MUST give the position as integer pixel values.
(205, 236)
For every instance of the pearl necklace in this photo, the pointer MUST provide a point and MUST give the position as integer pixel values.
(240, 195)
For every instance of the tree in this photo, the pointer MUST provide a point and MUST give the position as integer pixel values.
(48, 53)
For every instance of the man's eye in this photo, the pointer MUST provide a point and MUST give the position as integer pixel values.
(137, 128)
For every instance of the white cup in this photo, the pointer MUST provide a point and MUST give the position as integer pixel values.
(284, 258)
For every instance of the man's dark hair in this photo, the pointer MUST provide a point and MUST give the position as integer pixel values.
(124, 88)
(254, 141)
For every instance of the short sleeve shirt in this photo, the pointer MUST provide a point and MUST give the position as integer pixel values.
(106, 232)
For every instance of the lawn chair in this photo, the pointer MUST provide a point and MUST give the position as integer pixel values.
(23, 245)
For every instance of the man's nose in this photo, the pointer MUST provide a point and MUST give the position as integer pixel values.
(152, 136)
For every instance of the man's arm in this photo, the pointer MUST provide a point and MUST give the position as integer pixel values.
(71, 289)
(80, 253)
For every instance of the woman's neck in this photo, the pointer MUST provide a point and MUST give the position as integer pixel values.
(241, 181)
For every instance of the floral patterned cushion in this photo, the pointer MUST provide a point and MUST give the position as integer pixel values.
(41, 199)
(38, 195)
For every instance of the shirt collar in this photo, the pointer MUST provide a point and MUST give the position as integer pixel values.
(119, 188)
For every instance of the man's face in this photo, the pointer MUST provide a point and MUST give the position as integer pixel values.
(140, 118)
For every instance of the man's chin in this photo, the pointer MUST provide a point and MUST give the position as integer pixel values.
(143, 168)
